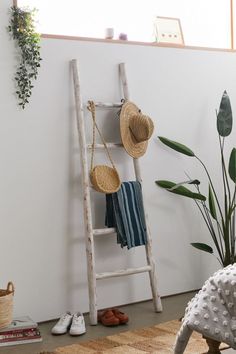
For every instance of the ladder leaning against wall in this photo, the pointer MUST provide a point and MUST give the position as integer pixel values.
(90, 232)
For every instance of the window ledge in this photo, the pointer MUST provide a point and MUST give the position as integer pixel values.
(150, 44)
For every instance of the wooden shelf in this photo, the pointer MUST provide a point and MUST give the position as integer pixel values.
(149, 44)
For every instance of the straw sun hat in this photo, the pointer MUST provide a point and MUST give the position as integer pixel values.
(135, 129)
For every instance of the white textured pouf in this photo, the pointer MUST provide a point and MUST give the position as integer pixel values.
(212, 311)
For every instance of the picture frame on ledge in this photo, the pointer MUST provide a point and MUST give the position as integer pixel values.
(168, 30)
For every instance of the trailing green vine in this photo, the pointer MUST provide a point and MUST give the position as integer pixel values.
(22, 29)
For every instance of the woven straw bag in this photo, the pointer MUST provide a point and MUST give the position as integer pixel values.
(104, 179)
(6, 305)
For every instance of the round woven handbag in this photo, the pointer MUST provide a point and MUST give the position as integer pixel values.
(6, 305)
(104, 179)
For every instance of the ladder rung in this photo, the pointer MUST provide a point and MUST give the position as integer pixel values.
(106, 231)
(119, 273)
(109, 145)
(108, 105)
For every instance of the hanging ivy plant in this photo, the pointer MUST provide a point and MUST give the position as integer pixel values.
(22, 29)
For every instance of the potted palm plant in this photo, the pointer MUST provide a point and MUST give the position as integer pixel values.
(218, 217)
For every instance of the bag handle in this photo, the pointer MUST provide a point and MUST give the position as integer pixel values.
(91, 108)
(10, 287)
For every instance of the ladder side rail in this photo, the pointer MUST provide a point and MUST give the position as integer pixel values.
(148, 246)
(86, 194)
(127, 97)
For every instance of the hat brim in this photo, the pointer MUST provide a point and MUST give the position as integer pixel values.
(133, 148)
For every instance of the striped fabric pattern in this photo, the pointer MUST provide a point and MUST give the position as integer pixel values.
(124, 211)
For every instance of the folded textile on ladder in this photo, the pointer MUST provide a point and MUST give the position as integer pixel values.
(125, 212)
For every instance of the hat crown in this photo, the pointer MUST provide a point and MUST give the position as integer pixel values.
(141, 126)
(135, 129)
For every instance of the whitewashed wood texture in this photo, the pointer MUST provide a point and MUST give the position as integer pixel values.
(89, 231)
(149, 256)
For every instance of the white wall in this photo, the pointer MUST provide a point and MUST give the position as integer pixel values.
(42, 239)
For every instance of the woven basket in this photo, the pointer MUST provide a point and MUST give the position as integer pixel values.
(6, 305)
(105, 179)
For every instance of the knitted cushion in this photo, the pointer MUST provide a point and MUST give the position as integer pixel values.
(212, 311)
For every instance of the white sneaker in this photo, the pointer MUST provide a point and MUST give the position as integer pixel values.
(78, 325)
(63, 324)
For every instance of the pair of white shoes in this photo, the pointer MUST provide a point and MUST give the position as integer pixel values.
(74, 323)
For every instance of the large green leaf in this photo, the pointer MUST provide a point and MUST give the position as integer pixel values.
(224, 116)
(194, 181)
(177, 146)
(212, 204)
(203, 247)
(185, 192)
(232, 165)
(189, 181)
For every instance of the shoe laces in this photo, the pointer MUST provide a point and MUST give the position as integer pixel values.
(64, 318)
(78, 318)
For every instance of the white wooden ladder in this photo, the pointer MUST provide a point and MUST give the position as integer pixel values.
(90, 232)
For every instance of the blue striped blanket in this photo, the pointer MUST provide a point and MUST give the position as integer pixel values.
(124, 211)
